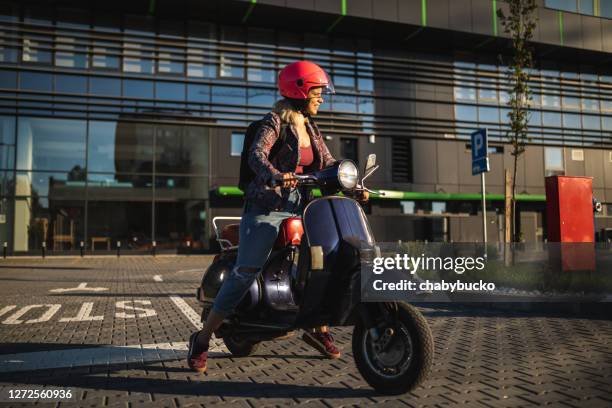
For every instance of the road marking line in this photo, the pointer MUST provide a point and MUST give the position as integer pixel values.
(94, 356)
(158, 278)
(84, 314)
(82, 286)
(194, 318)
(191, 270)
(7, 309)
(14, 318)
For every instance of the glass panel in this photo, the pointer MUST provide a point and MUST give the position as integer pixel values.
(438, 207)
(134, 88)
(106, 55)
(590, 105)
(465, 93)
(571, 102)
(34, 81)
(407, 207)
(120, 147)
(605, 9)
(260, 70)
(348, 149)
(343, 103)
(231, 65)
(181, 149)
(64, 185)
(551, 101)
(591, 122)
(174, 91)
(466, 113)
(571, 120)
(8, 79)
(198, 93)
(199, 64)
(36, 48)
(487, 95)
(261, 97)
(58, 222)
(366, 105)
(172, 187)
(136, 59)
(104, 86)
(170, 60)
(180, 221)
(551, 119)
(51, 144)
(553, 159)
(7, 143)
(124, 218)
(69, 54)
(487, 114)
(229, 95)
(8, 52)
(71, 84)
(586, 7)
(606, 123)
(237, 144)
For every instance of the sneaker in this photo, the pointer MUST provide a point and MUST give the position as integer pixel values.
(196, 362)
(324, 342)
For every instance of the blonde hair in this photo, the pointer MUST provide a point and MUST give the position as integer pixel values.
(288, 113)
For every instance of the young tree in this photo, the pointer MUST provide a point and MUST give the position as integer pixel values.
(519, 25)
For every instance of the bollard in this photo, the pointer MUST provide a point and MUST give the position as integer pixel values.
(153, 248)
(188, 247)
(82, 248)
(118, 249)
(4, 249)
(44, 247)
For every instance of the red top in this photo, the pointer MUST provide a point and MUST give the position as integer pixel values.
(306, 159)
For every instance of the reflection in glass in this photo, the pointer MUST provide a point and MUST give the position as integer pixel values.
(261, 97)
(170, 61)
(181, 149)
(591, 122)
(36, 48)
(465, 93)
(174, 91)
(71, 84)
(104, 86)
(133, 147)
(35, 81)
(105, 55)
(343, 103)
(229, 95)
(199, 65)
(7, 142)
(50, 144)
(260, 70)
(57, 222)
(136, 59)
(231, 65)
(551, 119)
(7, 53)
(56, 185)
(179, 221)
(488, 114)
(466, 113)
(117, 219)
(69, 54)
(134, 88)
(237, 143)
(8, 79)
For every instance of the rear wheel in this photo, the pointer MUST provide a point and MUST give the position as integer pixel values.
(400, 359)
(240, 347)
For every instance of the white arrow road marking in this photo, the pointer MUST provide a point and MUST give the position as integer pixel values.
(82, 286)
(94, 356)
(194, 318)
(7, 309)
(158, 278)
(84, 314)
(14, 318)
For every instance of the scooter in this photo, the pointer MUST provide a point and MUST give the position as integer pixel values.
(313, 278)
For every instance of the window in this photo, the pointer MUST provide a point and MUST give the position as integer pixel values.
(553, 161)
(463, 93)
(170, 61)
(260, 70)
(70, 54)
(36, 48)
(105, 55)
(466, 113)
(104, 86)
(401, 160)
(229, 95)
(407, 207)
(134, 88)
(237, 143)
(605, 8)
(170, 91)
(348, 149)
(551, 119)
(231, 65)
(34, 81)
(71, 84)
(343, 103)
(261, 97)
(438, 207)
(137, 59)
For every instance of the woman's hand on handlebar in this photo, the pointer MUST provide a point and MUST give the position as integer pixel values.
(285, 180)
(362, 196)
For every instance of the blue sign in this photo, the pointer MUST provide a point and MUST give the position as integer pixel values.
(480, 149)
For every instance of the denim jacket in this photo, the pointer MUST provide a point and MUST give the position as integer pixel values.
(286, 160)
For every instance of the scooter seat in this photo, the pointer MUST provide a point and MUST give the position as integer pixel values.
(231, 233)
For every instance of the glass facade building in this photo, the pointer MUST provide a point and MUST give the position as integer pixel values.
(109, 122)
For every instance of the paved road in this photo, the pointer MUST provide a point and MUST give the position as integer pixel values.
(114, 331)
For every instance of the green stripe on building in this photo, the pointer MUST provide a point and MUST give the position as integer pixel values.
(249, 11)
(411, 195)
(494, 17)
(561, 27)
(424, 13)
(342, 14)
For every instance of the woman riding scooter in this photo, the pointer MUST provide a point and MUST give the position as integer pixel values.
(302, 85)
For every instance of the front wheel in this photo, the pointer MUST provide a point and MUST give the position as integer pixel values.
(400, 359)
(240, 347)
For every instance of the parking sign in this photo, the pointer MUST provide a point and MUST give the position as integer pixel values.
(480, 149)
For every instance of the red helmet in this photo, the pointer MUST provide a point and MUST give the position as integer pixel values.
(297, 78)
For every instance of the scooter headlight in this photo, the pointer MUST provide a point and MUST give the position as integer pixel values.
(348, 175)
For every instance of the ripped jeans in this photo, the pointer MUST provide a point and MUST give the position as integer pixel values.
(258, 231)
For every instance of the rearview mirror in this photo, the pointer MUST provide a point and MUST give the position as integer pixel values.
(370, 165)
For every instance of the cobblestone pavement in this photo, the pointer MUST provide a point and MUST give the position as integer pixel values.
(114, 331)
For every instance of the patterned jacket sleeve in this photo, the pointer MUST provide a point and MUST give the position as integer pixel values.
(260, 150)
